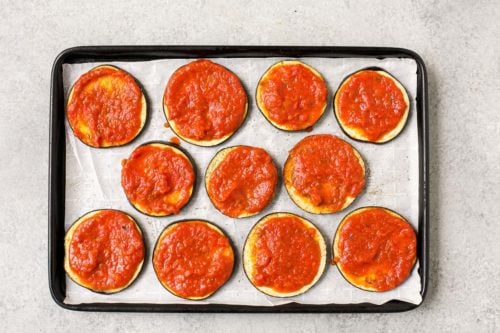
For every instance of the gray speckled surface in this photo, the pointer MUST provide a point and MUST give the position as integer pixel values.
(457, 39)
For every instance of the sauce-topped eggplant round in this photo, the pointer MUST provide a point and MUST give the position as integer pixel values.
(158, 178)
(241, 181)
(104, 251)
(204, 103)
(324, 174)
(292, 95)
(284, 255)
(193, 259)
(106, 107)
(375, 248)
(371, 105)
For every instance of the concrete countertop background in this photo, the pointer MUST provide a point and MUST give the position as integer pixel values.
(459, 42)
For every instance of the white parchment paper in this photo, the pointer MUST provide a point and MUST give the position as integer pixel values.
(93, 181)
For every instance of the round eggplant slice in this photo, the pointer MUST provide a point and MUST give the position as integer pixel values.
(241, 181)
(204, 103)
(292, 95)
(158, 178)
(104, 251)
(106, 107)
(193, 259)
(374, 248)
(284, 255)
(324, 174)
(371, 106)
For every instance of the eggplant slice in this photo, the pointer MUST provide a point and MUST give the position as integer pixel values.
(305, 203)
(356, 133)
(67, 242)
(179, 151)
(249, 260)
(265, 112)
(215, 162)
(362, 282)
(171, 227)
(208, 142)
(144, 113)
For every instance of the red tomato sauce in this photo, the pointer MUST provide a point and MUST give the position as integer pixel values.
(106, 250)
(205, 101)
(157, 179)
(175, 140)
(105, 108)
(326, 170)
(377, 248)
(192, 259)
(371, 103)
(293, 95)
(286, 253)
(244, 181)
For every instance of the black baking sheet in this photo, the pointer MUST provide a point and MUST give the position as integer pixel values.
(143, 53)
